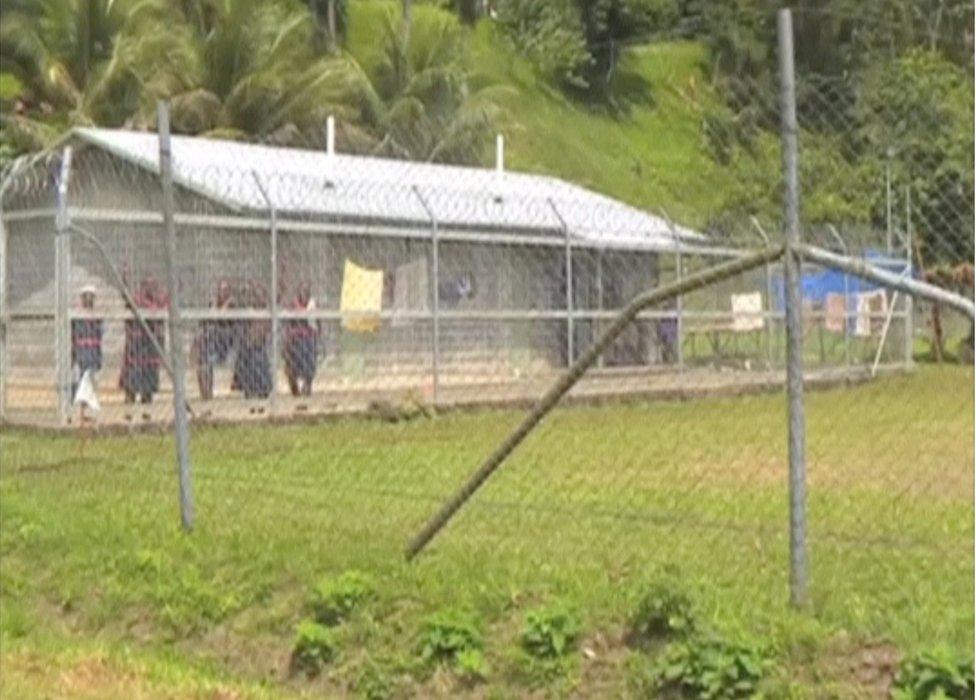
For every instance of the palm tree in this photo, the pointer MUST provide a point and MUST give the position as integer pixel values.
(331, 18)
(66, 55)
(242, 69)
(418, 100)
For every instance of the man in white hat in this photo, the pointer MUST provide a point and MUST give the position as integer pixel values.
(86, 339)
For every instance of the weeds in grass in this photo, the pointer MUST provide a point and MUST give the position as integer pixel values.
(550, 632)
(935, 674)
(710, 667)
(104, 538)
(662, 611)
(449, 634)
(190, 601)
(315, 646)
(696, 663)
(334, 599)
(374, 683)
(549, 635)
(471, 666)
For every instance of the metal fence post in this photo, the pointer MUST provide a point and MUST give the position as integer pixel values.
(568, 265)
(4, 262)
(435, 297)
(180, 420)
(679, 309)
(794, 318)
(768, 307)
(273, 223)
(847, 312)
(596, 324)
(679, 302)
(909, 301)
(62, 284)
(888, 218)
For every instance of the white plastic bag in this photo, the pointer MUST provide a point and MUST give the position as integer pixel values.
(85, 394)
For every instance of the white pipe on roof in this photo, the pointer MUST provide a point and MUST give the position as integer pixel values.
(500, 153)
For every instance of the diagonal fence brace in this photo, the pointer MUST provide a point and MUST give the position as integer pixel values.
(573, 374)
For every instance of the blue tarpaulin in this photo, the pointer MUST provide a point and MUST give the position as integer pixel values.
(814, 286)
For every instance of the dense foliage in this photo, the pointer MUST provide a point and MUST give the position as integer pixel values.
(884, 89)
(938, 673)
(578, 43)
(270, 70)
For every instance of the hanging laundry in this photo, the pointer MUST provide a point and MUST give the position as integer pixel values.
(871, 307)
(747, 312)
(835, 312)
(362, 298)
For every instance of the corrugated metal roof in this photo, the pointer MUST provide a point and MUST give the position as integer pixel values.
(303, 183)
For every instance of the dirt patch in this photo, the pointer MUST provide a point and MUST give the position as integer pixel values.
(847, 668)
(603, 671)
(873, 668)
(96, 676)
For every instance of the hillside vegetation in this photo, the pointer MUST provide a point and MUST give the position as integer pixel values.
(650, 154)
(665, 104)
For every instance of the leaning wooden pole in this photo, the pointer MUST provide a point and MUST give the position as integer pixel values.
(573, 374)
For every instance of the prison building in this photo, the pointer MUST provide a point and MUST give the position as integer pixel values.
(420, 273)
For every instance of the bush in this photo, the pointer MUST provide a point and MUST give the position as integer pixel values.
(550, 34)
(710, 668)
(448, 637)
(471, 665)
(550, 632)
(936, 674)
(578, 44)
(374, 683)
(334, 599)
(315, 646)
(661, 612)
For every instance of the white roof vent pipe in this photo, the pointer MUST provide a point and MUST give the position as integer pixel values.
(330, 135)
(499, 164)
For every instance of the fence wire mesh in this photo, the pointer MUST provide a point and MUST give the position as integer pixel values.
(360, 334)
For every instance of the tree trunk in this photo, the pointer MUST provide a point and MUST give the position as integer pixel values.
(468, 10)
(934, 27)
(406, 20)
(333, 41)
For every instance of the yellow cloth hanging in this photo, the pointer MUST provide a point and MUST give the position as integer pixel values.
(362, 293)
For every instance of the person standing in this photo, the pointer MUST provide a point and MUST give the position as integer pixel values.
(140, 360)
(216, 340)
(86, 340)
(667, 334)
(252, 367)
(301, 340)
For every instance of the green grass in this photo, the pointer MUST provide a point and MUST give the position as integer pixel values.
(598, 501)
(650, 153)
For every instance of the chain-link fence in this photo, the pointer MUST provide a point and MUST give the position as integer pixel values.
(528, 272)
(380, 298)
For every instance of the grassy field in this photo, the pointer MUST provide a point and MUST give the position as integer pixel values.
(101, 595)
